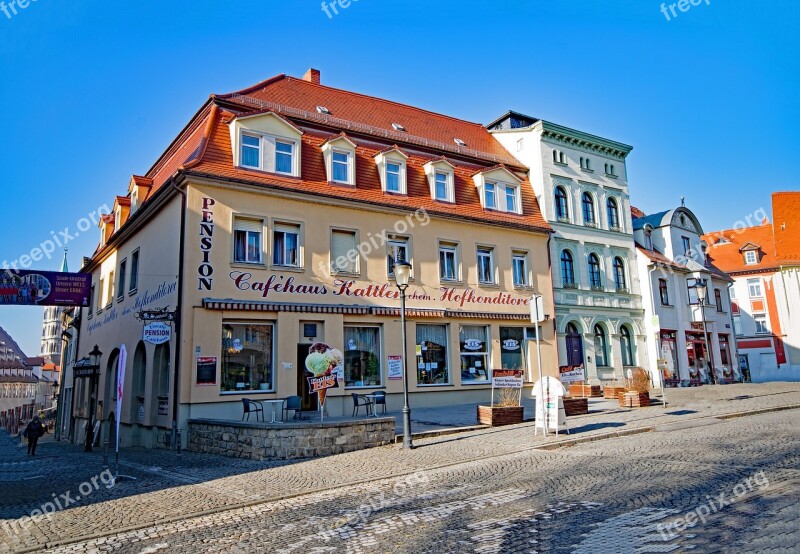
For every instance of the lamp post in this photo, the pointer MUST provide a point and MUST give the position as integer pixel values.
(94, 366)
(402, 271)
(701, 288)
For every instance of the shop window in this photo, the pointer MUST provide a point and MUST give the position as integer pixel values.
(474, 345)
(432, 355)
(512, 347)
(362, 359)
(247, 358)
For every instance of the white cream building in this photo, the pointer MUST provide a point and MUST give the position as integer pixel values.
(580, 181)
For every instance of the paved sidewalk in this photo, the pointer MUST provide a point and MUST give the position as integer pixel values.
(169, 487)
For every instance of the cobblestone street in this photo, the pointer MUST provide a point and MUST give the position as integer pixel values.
(494, 490)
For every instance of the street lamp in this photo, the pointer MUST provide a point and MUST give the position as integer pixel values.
(402, 272)
(701, 288)
(91, 364)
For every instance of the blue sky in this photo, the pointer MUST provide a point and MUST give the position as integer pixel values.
(94, 91)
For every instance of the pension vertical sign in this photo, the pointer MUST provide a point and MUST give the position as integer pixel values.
(205, 270)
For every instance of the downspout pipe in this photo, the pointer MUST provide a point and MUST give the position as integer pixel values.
(178, 318)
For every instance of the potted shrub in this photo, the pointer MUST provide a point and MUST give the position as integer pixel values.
(506, 411)
(637, 389)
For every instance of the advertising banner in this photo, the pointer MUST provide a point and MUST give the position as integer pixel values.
(394, 367)
(507, 378)
(326, 368)
(570, 374)
(44, 288)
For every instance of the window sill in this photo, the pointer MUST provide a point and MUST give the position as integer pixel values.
(473, 383)
(120, 298)
(611, 176)
(290, 268)
(563, 220)
(451, 282)
(434, 385)
(570, 286)
(259, 170)
(395, 192)
(523, 287)
(671, 306)
(132, 292)
(587, 170)
(259, 265)
(364, 387)
(335, 273)
(562, 164)
(254, 391)
(341, 184)
(489, 285)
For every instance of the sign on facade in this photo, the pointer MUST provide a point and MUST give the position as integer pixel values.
(44, 288)
(394, 367)
(507, 378)
(157, 332)
(206, 370)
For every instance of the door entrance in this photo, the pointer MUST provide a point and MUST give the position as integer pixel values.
(574, 346)
(310, 401)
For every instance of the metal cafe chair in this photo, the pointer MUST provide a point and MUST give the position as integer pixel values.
(295, 404)
(252, 407)
(361, 400)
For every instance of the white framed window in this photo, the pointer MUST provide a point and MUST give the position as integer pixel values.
(341, 165)
(251, 151)
(761, 323)
(396, 251)
(394, 176)
(286, 245)
(269, 153)
(248, 364)
(474, 349)
(519, 266)
(344, 256)
(284, 157)
(486, 271)
(754, 288)
(511, 199)
(247, 240)
(490, 196)
(448, 261)
(443, 189)
(101, 290)
(737, 325)
(751, 257)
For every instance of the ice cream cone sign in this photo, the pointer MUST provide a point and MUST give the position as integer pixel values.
(326, 366)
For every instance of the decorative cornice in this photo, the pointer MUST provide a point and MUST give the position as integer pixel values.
(574, 138)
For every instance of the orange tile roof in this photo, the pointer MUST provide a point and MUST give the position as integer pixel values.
(204, 148)
(725, 246)
(636, 213)
(659, 258)
(786, 215)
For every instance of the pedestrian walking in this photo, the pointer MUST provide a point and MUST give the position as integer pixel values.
(33, 432)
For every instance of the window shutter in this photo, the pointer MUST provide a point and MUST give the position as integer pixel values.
(342, 243)
(283, 227)
(252, 225)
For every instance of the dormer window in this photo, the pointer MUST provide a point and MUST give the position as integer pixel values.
(496, 190)
(266, 142)
(340, 156)
(440, 174)
(392, 168)
(751, 257)
(134, 199)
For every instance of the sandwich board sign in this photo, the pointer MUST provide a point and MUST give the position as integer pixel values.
(550, 413)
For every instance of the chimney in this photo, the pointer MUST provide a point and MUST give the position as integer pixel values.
(312, 76)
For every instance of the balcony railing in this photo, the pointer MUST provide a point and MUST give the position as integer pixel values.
(573, 286)
(623, 290)
(563, 219)
(598, 288)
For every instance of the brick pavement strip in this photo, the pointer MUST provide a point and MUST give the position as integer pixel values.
(174, 488)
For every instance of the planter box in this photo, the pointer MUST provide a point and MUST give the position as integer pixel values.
(500, 415)
(634, 399)
(576, 406)
(580, 390)
(612, 392)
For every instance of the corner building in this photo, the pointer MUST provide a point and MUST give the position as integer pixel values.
(273, 222)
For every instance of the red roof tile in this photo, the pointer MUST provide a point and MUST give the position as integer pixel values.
(786, 216)
(636, 213)
(724, 248)
(659, 258)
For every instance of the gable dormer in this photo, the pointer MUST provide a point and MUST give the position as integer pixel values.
(138, 190)
(392, 169)
(122, 207)
(266, 142)
(751, 253)
(441, 179)
(340, 160)
(107, 228)
(499, 189)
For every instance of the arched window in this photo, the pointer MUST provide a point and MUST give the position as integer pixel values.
(612, 169)
(582, 166)
(613, 214)
(600, 347)
(648, 239)
(588, 164)
(594, 271)
(562, 210)
(571, 329)
(619, 274)
(562, 158)
(588, 209)
(555, 155)
(627, 346)
(567, 268)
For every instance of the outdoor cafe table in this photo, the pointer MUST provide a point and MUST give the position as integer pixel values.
(272, 404)
(373, 406)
